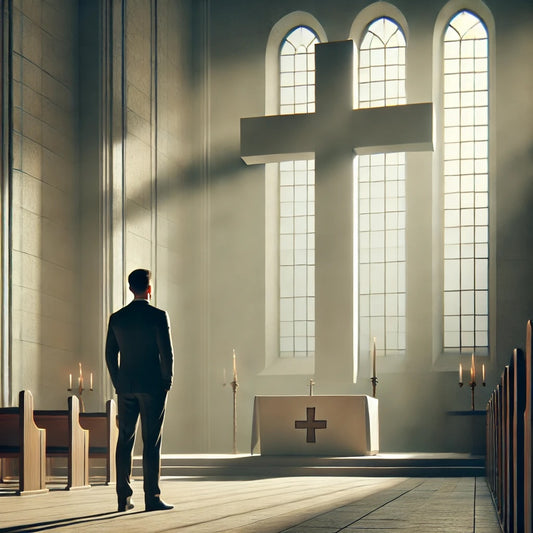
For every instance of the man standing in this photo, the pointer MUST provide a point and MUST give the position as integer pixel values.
(142, 376)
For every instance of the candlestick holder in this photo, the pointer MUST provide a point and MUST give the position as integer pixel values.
(234, 386)
(472, 386)
(80, 388)
(374, 381)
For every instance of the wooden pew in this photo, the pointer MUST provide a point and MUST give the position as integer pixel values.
(21, 438)
(103, 431)
(66, 438)
(518, 443)
(528, 427)
(509, 442)
(508, 496)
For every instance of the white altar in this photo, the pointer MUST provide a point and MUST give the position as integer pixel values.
(315, 425)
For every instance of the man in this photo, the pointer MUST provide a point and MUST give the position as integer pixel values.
(142, 376)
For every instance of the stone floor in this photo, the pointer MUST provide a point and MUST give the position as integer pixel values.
(303, 504)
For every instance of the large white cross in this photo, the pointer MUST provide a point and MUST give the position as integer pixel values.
(331, 135)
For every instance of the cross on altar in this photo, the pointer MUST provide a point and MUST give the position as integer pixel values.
(331, 135)
(310, 424)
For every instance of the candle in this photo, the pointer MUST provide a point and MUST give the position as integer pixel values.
(234, 366)
(224, 376)
(483, 372)
(91, 381)
(70, 381)
(473, 371)
(374, 359)
(460, 373)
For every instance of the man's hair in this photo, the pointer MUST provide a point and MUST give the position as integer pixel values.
(139, 280)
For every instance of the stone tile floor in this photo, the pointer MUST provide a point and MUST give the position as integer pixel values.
(265, 505)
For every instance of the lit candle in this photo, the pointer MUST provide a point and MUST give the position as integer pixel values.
(461, 373)
(483, 372)
(70, 381)
(234, 366)
(91, 381)
(374, 359)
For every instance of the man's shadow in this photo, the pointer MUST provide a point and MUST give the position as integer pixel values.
(66, 522)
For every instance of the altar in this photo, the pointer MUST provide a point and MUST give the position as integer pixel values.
(315, 425)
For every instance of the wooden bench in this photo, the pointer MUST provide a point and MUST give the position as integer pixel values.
(66, 438)
(528, 433)
(103, 431)
(510, 443)
(20, 438)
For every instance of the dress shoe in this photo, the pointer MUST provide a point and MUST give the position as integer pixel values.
(125, 505)
(158, 505)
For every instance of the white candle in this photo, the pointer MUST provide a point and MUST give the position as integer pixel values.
(473, 369)
(374, 359)
(70, 381)
(91, 381)
(460, 372)
(234, 366)
(483, 372)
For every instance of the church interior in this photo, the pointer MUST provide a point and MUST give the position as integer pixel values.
(310, 254)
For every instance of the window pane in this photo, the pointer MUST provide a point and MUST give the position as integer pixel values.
(380, 185)
(465, 183)
(296, 240)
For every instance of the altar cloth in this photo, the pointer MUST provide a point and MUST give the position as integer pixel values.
(344, 425)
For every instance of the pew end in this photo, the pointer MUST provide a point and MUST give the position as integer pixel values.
(66, 438)
(23, 440)
(103, 431)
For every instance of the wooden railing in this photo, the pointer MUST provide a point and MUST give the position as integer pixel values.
(509, 452)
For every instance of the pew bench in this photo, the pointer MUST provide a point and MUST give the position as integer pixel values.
(22, 439)
(66, 438)
(103, 436)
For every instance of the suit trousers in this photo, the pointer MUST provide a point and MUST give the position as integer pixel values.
(151, 408)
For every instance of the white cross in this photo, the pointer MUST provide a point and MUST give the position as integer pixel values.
(331, 135)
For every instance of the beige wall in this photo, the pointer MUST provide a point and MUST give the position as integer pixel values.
(139, 165)
(45, 252)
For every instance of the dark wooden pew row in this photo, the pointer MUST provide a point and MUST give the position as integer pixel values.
(22, 439)
(103, 436)
(518, 442)
(528, 427)
(509, 445)
(66, 438)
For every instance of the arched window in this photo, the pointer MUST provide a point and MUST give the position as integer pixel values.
(465, 183)
(380, 185)
(297, 203)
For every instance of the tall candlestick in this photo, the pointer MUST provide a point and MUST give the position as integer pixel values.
(374, 379)
(374, 359)
(234, 386)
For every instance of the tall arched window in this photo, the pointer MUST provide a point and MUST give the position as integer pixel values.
(466, 183)
(381, 198)
(297, 211)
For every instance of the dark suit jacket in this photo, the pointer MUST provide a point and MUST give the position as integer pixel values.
(141, 333)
